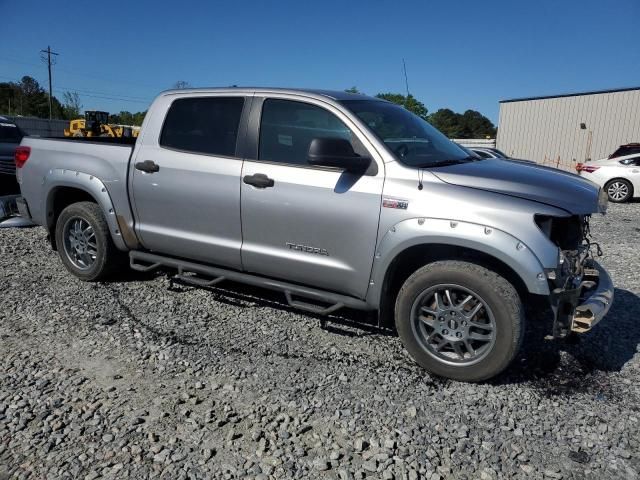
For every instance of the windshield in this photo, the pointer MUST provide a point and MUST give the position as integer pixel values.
(412, 140)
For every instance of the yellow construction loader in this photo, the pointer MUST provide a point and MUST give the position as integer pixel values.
(94, 124)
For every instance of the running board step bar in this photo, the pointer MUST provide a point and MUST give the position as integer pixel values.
(147, 262)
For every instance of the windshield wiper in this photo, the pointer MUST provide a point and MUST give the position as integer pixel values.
(452, 161)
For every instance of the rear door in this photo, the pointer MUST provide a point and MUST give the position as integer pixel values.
(186, 179)
(312, 225)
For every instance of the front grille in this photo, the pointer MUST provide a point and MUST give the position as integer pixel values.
(566, 232)
(573, 238)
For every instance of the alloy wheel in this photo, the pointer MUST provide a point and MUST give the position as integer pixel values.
(618, 191)
(453, 324)
(80, 243)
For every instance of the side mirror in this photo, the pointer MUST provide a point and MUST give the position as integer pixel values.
(336, 152)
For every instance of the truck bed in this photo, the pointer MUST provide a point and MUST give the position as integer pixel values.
(103, 157)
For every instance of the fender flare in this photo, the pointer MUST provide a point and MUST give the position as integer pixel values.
(90, 184)
(491, 241)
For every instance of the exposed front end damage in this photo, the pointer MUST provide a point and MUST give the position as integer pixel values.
(581, 289)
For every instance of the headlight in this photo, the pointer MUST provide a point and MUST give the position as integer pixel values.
(603, 201)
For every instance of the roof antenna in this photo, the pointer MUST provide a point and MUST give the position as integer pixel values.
(406, 105)
(406, 83)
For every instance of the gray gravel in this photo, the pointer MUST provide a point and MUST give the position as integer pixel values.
(141, 378)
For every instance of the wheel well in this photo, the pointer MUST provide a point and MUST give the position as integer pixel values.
(413, 258)
(62, 197)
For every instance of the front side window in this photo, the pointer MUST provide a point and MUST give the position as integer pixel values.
(287, 128)
(413, 141)
(203, 125)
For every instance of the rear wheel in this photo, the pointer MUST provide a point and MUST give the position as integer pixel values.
(84, 242)
(460, 320)
(619, 190)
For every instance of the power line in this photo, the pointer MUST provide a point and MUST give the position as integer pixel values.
(13, 60)
(146, 102)
(95, 94)
(83, 91)
(48, 58)
(88, 75)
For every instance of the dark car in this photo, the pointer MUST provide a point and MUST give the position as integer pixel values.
(628, 149)
(10, 137)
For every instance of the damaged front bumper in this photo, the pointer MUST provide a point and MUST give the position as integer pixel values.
(579, 309)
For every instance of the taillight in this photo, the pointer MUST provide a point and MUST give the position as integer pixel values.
(21, 156)
(589, 169)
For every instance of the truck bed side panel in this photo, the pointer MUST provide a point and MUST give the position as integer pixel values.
(104, 161)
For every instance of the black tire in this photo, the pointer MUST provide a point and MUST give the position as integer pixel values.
(621, 184)
(499, 303)
(107, 258)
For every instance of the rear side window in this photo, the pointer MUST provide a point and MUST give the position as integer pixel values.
(203, 125)
(287, 128)
(625, 150)
(10, 133)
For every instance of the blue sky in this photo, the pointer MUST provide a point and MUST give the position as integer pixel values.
(461, 55)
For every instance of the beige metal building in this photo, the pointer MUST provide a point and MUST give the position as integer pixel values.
(561, 130)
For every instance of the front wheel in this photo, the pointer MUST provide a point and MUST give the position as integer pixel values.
(459, 320)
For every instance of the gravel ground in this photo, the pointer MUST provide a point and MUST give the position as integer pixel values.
(143, 378)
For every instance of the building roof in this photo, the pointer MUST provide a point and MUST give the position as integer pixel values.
(593, 92)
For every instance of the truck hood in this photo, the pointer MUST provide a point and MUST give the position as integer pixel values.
(551, 186)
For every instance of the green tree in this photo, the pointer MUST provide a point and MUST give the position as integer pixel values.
(35, 100)
(10, 98)
(72, 107)
(448, 122)
(28, 98)
(127, 118)
(409, 102)
(353, 89)
(471, 124)
(477, 125)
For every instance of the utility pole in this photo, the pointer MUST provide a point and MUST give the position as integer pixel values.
(48, 60)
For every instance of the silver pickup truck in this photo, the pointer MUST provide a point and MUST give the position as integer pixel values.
(337, 200)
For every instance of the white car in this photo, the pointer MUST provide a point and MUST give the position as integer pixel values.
(487, 152)
(619, 176)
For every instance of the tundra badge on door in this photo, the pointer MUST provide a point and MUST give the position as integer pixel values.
(307, 248)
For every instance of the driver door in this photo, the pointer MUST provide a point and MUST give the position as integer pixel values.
(312, 225)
